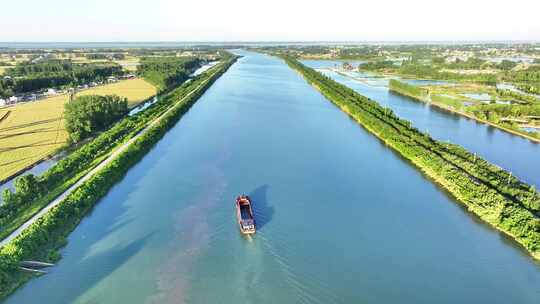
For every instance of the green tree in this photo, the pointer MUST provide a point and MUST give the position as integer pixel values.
(8, 197)
(87, 115)
(507, 65)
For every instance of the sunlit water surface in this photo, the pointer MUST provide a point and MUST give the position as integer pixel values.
(341, 218)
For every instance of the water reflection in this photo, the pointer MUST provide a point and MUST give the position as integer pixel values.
(506, 150)
(263, 211)
(358, 217)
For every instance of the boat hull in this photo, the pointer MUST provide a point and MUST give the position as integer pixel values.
(244, 215)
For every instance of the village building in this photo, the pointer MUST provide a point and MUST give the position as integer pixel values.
(128, 76)
(13, 99)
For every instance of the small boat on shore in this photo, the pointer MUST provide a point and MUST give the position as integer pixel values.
(244, 214)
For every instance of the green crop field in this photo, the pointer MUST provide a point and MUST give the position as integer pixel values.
(35, 130)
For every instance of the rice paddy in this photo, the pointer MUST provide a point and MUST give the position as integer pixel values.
(32, 131)
(135, 90)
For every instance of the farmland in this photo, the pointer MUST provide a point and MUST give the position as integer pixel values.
(29, 133)
(516, 113)
(32, 131)
(129, 63)
(135, 90)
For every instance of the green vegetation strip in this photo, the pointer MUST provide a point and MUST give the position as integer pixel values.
(28, 77)
(487, 190)
(166, 72)
(87, 115)
(34, 193)
(408, 90)
(492, 114)
(42, 239)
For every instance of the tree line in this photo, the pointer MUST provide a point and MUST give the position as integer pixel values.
(487, 190)
(530, 87)
(439, 69)
(87, 115)
(407, 89)
(493, 112)
(46, 235)
(30, 77)
(45, 66)
(60, 176)
(166, 72)
(105, 56)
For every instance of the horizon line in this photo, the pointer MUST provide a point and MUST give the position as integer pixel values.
(278, 41)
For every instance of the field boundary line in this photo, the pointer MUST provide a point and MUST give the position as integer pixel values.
(100, 166)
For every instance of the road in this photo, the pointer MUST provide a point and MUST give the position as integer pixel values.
(92, 172)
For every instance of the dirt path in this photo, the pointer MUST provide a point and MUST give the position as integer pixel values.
(91, 173)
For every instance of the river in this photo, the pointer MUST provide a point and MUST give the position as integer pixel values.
(37, 170)
(513, 153)
(45, 165)
(341, 218)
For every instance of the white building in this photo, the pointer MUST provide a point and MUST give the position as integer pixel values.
(13, 99)
(2, 102)
(51, 92)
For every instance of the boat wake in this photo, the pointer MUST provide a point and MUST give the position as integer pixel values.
(303, 286)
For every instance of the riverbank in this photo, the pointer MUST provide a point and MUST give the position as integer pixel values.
(45, 235)
(34, 131)
(61, 176)
(165, 234)
(485, 190)
(333, 58)
(48, 156)
(364, 81)
(425, 98)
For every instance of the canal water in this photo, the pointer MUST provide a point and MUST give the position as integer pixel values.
(37, 170)
(513, 153)
(45, 165)
(341, 218)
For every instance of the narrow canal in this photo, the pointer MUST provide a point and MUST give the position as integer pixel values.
(513, 153)
(341, 218)
(45, 165)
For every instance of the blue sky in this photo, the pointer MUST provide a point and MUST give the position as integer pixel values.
(268, 20)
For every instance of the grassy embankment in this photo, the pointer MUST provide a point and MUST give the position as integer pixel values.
(44, 237)
(34, 131)
(454, 105)
(36, 193)
(488, 191)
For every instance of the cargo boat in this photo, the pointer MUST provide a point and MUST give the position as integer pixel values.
(244, 214)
